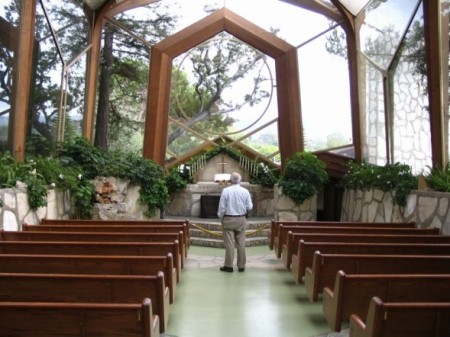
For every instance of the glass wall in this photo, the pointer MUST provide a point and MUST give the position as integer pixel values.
(9, 25)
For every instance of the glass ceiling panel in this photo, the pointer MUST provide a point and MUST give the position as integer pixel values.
(354, 6)
(293, 24)
(383, 28)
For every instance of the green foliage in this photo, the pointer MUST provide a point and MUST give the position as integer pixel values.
(139, 171)
(303, 176)
(175, 180)
(266, 176)
(391, 177)
(439, 178)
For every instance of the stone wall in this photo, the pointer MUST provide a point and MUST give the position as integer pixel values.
(286, 210)
(426, 208)
(16, 210)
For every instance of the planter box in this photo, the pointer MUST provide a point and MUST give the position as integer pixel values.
(287, 210)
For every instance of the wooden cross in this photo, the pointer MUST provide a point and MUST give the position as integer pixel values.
(223, 164)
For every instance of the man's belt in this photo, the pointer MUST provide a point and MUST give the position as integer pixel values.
(235, 216)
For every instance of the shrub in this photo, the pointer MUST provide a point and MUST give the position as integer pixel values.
(303, 176)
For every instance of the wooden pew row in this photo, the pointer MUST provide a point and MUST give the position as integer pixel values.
(124, 228)
(22, 287)
(352, 293)
(358, 238)
(305, 253)
(282, 241)
(325, 266)
(183, 224)
(39, 319)
(97, 237)
(402, 319)
(92, 264)
(274, 226)
(95, 248)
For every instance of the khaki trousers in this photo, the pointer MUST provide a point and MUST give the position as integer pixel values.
(233, 229)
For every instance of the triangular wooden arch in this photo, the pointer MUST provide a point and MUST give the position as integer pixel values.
(162, 54)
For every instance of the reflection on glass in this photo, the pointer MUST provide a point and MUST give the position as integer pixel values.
(47, 86)
(411, 121)
(383, 27)
(9, 18)
(354, 6)
(325, 96)
(75, 98)
(69, 23)
(375, 120)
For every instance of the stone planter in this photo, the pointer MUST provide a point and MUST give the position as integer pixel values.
(426, 208)
(16, 210)
(287, 210)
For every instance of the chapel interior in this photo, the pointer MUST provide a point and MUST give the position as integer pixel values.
(349, 80)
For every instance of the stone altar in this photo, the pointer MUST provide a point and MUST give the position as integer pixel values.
(187, 202)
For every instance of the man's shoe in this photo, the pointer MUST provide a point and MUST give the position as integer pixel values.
(241, 269)
(227, 269)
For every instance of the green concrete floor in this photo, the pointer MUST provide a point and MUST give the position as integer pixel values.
(262, 301)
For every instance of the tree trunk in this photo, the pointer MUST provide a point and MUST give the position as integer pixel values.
(103, 108)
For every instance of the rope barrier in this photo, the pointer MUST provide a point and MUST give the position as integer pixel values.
(219, 234)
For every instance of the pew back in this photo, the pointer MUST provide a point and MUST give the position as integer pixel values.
(325, 266)
(402, 319)
(22, 287)
(305, 252)
(352, 293)
(360, 238)
(78, 319)
(95, 248)
(92, 264)
(96, 237)
(287, 244)
(274, 226)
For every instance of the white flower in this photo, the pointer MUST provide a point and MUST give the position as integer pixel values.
(80, 176)
(53, 185)
(61, 176)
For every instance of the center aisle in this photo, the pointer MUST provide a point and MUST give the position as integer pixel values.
(263, 301)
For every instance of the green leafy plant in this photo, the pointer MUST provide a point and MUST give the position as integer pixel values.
(175, 180)
(266, 176)
(303, 176)
(397, 178)
(438, 178)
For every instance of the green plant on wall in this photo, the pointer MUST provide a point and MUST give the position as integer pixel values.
(303, 176)
(438, 178)
(397, 178)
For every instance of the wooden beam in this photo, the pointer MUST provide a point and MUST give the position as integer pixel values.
(22, 78)
(431, 14)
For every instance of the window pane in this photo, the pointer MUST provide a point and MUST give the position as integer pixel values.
(9, 23)
(411, 122)
(383, 27)
(325, 96)
(375, 137)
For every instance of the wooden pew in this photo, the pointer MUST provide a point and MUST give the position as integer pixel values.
(285, 251)
(352, 293)
(97, 237)
(22, 287)
(92, 264)
(124, 228)
(325, 266)
(274, 226)
(39, 319)
(402, 319)
(183, 224)
(95, 248)
(359, 238)
(305, 253)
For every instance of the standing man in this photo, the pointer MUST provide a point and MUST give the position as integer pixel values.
(235, 202)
